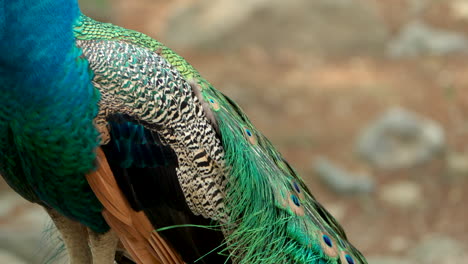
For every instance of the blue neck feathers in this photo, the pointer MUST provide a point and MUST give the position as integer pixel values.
(40, 63)
(37, 33)
(38, 45)
(48, 105)
(45, 82)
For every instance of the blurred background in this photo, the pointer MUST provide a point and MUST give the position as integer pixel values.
(367, 99)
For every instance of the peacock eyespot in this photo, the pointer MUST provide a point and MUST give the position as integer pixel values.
(349, 259)
(213, 103)
(346, 258)
(296, 187)
(294, 205)
(295, 200)
(328, 245)
(250, 136)
(327, 240)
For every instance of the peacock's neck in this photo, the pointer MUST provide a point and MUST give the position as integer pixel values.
(32, 26)
(40, 62)
(48, 100)
(38, 45)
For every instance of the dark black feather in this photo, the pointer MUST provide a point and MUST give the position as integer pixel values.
(145, 170)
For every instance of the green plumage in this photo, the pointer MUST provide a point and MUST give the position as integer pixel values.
(78, 74)
(88, 29)
(272, 217)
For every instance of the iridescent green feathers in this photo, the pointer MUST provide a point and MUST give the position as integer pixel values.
(270, 207)
(272, 217)
(88, 29)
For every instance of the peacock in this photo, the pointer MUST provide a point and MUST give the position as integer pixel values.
(129, 149)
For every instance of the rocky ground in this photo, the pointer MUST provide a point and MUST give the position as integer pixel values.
(315, 76)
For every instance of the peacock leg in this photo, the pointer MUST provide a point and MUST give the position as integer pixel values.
(103, 246)
(74, 236)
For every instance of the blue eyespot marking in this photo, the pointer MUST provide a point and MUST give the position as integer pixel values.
(296, 187)
(327, 240)
(250, 136)
(295, 200)
(349, 259)
(328, 247)
(214, 104)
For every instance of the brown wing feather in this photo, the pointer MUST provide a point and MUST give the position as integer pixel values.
(133, 228)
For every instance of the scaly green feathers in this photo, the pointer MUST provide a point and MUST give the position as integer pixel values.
(272, 217)
(88, 29)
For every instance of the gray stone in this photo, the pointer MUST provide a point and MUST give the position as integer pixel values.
(433, 249)
(8, 257)
(320, 26)
(419, 39)
(457, 165)
(439, 249)
(400, 139)
(404, 194)
(340, 180)
(26, 230)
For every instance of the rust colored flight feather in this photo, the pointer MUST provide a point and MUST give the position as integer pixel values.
(133, 228)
